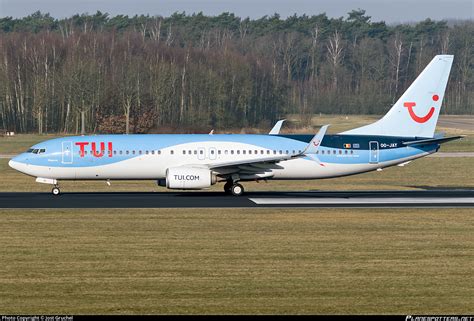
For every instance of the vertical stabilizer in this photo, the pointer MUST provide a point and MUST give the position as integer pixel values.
(416, 112)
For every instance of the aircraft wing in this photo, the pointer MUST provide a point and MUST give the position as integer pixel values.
(276, 129)
(266, 163)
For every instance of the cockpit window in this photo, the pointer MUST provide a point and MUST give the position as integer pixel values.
(36, 150)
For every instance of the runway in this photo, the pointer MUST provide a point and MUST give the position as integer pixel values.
(347, 199)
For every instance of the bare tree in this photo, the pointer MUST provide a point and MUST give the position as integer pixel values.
(335, 50)
(155, 29)
(183, 87)
(395, 59)
(315, 32)
(445, 42)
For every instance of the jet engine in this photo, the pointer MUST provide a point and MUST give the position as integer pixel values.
(188, 178)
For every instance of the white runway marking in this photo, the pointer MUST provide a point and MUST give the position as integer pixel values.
(363, 200)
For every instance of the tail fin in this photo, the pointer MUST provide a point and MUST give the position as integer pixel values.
(416, 112)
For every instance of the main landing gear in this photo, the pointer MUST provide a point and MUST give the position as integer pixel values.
(233, 188)
(56, 191)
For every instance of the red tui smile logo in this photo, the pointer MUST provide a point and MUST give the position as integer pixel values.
(416, 118)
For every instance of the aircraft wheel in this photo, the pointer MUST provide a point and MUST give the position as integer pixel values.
(56, 191)
(237, 190)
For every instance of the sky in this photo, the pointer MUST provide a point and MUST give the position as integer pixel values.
(391, 11)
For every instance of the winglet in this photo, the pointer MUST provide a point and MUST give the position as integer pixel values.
(276, 129)
(316, 141)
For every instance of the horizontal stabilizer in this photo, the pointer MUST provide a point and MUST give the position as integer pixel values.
(432, 141)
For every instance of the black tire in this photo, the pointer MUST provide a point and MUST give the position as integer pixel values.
(56, 191)
(227, 187)
(237, 190)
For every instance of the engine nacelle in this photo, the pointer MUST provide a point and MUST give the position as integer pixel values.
(188, 178)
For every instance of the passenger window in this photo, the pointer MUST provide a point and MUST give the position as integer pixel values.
(146, 152)
(322, 152)
(226, 152)
(232, 152)
(212, 151)
(340, 152)
(274, 151)
(133, 152)
(172, 152)
(334, 151)
(268, 151)
(201, 152)
(184, 152)
(238, 151)
(281, 152)
(345, 152)
(195, 152)
(153, 152)
(190, 152)
(352, 152)
(243, 152)
(115, 152)
(219, 152)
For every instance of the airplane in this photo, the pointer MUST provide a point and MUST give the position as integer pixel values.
(197, 161)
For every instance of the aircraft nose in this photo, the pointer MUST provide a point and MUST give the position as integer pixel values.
(13, 164)
(18, 162)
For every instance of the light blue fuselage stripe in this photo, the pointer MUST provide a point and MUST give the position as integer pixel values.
(53, 156)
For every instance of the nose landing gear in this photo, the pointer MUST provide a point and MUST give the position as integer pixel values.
(56, 191)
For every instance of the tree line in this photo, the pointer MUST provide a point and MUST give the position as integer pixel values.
(95, 73)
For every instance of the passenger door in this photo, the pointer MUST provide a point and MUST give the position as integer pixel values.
(67, 153)
(374, 152)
